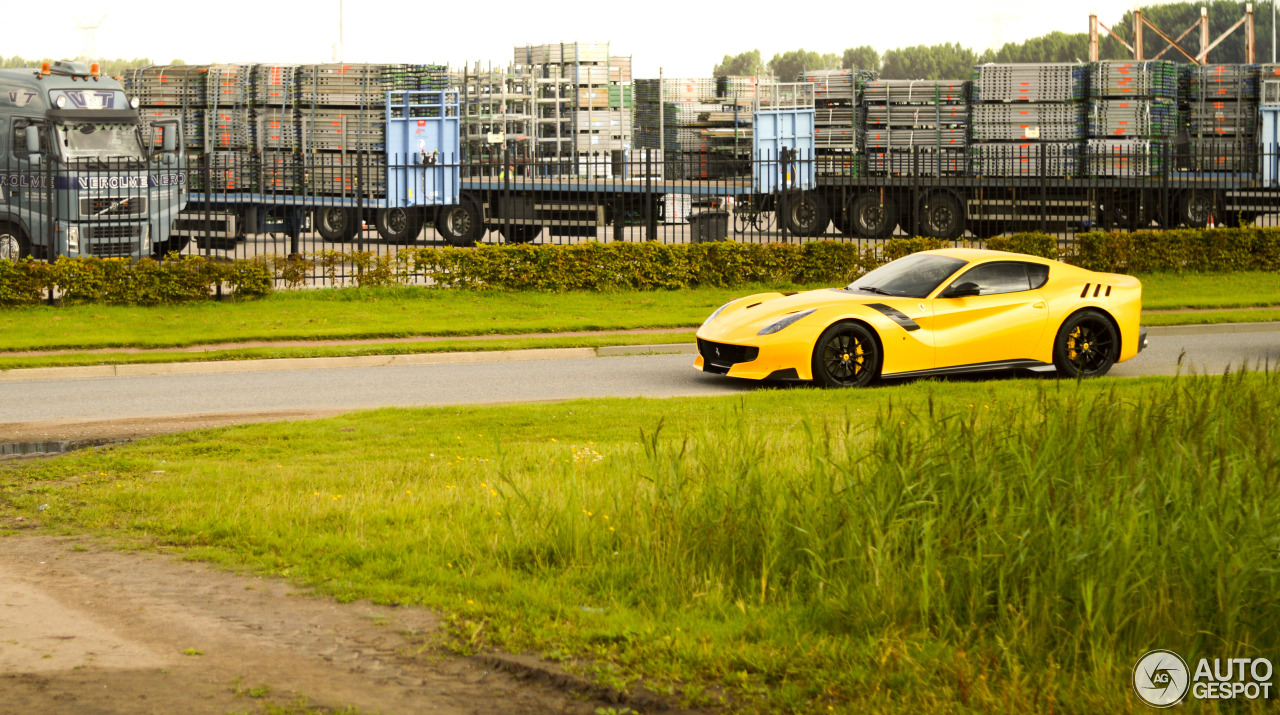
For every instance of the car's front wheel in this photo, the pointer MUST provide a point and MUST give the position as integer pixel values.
(846, 355)
(1087, 345)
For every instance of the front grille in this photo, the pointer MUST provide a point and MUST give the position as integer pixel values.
(112, 249)
(719, 357)
(113, 206)
(114, 231)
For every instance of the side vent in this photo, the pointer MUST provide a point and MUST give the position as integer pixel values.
(1108, 291)
(749, 307)
(1097, 289)
(1084, 293)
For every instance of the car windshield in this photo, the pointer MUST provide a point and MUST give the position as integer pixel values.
(100, 143)
(915, 276)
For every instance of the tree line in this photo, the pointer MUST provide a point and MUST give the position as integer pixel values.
(952, 60)
(110, 68)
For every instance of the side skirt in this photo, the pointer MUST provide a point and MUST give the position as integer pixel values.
(975, 367)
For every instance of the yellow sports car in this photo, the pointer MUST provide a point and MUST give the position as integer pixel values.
(932, 313)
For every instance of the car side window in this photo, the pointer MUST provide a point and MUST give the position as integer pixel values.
(1038, 273)
(994, 278)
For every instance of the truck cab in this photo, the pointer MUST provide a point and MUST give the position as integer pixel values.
(80, 174)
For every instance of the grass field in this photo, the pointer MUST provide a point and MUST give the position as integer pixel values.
(401, 312)
(942, 547)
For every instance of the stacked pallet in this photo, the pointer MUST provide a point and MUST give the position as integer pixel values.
(703, 124)
(569, 81)
(838, 118)
(916, 127)
(1222, 102)
(1027, 119)
(497, 116)
(1133, 117)
(282, 128)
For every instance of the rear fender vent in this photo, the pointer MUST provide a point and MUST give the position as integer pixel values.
(749, 307)
(1097, 290)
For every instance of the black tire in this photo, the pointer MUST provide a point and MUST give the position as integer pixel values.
(460, 225)
(1087, 345)
(520, 233)
(805, 214)
(846, 355)
(14, 243)
(399, 225)
(941, 216)
(175, 244)
(1195, 208)
(868, 216)
(334, 223)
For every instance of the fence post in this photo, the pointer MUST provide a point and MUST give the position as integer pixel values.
(650, 219)
(1044, 187)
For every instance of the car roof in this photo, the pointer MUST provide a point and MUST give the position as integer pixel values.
(982, 255)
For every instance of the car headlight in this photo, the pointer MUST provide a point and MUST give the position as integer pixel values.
(73, 238)
(782, 323)
(718, 311)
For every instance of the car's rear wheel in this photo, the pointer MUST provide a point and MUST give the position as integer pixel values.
(1087, 345)
(846, 355)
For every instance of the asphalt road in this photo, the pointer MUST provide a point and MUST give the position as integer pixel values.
(491, 382)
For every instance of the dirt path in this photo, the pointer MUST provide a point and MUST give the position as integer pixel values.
(87, 629)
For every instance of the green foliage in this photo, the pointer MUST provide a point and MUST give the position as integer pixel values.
(146, 282)
(860, 58)
(110, 68)
(1173, 18)
(896, 248)
(746, 63)
(788, 66)
(1033, 244)
(1053, 47)
(945, 61)
(1183, 250)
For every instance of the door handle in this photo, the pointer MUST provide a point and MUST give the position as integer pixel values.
(1038, 305)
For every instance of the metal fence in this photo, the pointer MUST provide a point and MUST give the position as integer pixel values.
(273, 205)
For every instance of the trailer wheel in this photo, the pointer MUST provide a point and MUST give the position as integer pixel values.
(460, 224)
(399, 225)
(1126, 210)
(337, 224)
(520, 233)
(869, 216)
(1195, 208)
(14, 243)
(941, 216)
(805, 213)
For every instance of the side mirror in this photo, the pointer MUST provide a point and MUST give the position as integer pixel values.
(963, 290)
(170, 139)
(33, 139)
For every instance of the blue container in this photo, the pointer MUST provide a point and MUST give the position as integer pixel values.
(783, 149)
(423, 159)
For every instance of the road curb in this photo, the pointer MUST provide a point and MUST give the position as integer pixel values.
(661, 349)
(1213, 329)
(324, 363)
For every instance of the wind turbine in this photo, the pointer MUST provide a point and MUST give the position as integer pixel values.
(90, 27)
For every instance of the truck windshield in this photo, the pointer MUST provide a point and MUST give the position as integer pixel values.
(90, 142)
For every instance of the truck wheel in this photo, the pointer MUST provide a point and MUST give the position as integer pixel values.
(14, 244)
(941, 216)
(520, 233)
(175, 244)
(1126, 210)
(336, 224)
(805, 214)
(460, 225)
(399, 225)
(871, 217)
(1194, 208)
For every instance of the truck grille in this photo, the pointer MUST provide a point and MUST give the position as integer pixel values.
(113, 240)
(91, 206)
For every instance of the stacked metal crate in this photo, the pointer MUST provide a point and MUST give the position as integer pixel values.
(1133, 117)
(341, 111)
(916, 127)
(1027, 119)
(703, 124)
(583, 103)
(838, 118)
(277, 137)
(1223, 117)
(497, 115)
(173, 92)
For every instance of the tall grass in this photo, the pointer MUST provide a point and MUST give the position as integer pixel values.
(1007, 547)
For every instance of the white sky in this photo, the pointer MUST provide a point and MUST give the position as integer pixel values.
(685, 38)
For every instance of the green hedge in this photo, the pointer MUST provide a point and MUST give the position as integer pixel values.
(145, 282)
(611, 266)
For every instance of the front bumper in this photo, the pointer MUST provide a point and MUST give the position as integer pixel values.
(772, 360)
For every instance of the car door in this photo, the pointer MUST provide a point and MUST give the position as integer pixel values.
(1004, 321)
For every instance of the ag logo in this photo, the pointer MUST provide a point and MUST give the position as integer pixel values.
(1161, 678)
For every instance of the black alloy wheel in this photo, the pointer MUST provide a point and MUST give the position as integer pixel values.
(1087, 345)
(846, 355)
